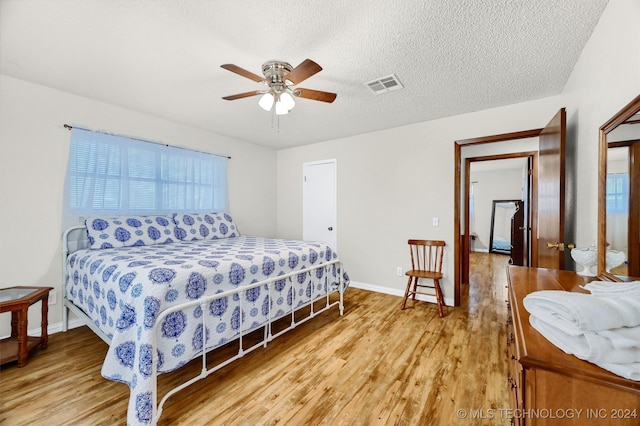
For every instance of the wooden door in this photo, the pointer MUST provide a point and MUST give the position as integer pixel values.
(551, 193)
(527, 197)
(518, 231)
(634, 210)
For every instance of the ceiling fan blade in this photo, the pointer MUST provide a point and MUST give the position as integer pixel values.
(243, 95)
(303, 71)
(316, 95)
(241, 71)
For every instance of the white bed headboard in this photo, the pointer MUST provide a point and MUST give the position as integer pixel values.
(73, 239)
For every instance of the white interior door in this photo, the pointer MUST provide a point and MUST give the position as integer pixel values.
(319, 202)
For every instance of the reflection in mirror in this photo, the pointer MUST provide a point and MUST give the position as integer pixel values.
(500, 237)
(619, 194)
(617, 199)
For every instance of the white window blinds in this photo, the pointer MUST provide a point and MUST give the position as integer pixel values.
(109, 174)
(617, 193)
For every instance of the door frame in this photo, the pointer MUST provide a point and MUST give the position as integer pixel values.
(464, 239)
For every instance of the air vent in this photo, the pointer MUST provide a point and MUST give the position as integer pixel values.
(384, 84)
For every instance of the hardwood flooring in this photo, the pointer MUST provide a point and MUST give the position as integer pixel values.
(376, 365)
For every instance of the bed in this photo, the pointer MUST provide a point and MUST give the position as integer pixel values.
(163, 290)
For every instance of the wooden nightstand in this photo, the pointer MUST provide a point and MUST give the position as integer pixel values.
(17, 301)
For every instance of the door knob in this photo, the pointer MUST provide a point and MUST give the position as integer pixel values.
(330, 228)
(559, 246)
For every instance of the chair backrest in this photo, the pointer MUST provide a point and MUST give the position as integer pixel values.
(426, 255)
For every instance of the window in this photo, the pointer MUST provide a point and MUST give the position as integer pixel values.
(109, 174)
(617, 193)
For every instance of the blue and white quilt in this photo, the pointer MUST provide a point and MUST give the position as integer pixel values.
(123, 290)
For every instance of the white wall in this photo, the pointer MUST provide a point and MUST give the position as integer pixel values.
(392, 182)
(605, 79)
(492, 185)
(33, 156)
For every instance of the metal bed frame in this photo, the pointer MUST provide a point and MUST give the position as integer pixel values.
(75, 238)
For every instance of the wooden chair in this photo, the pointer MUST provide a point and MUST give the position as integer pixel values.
(426, 264)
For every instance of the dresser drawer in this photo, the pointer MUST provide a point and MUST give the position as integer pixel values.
(514, 368)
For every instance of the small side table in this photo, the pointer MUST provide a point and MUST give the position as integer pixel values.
(17, 301)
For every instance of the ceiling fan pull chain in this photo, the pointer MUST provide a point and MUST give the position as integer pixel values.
(275, 119)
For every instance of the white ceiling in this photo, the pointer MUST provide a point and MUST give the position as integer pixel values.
(163, 57)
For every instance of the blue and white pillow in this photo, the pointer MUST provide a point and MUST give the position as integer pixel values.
(128, 231)
(204, 226)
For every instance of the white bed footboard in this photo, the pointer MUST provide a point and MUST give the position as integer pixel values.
(268, 334)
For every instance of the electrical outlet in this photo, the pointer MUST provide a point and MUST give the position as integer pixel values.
(53, 297)
(399, 271)
(436, 221)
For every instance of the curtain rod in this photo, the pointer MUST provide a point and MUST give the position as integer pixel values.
(67, 126)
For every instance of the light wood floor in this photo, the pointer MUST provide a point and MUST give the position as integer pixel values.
(376, 365)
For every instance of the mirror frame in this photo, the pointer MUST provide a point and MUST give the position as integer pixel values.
(493, 222)
(623, 115)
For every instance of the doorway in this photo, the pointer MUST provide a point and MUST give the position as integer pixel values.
(319, 205)
(462, 239)
(548, 190)
(499, 194)
(520, 168)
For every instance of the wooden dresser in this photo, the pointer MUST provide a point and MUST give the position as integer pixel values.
(548, 386)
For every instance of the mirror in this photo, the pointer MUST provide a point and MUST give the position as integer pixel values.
(500, 236)
(619, 194)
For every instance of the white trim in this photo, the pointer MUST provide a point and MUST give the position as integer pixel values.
(396, 292)
(53, 328)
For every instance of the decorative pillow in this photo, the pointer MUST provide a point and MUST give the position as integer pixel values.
(204, 226)
(127, 231)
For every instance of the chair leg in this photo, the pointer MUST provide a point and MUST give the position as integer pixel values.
(439, 297)
(415, 288)
(406, 293)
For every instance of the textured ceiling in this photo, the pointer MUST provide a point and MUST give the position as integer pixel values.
(163, 57)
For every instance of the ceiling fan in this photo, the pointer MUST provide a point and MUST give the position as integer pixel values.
(280, 77)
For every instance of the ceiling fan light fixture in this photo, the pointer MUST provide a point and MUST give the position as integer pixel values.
(266, 102)
(287, 101)
(281, 109)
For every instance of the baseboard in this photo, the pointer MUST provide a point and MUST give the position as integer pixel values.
(74, 323)
(395, 292)
(53, 328)
(481, 250)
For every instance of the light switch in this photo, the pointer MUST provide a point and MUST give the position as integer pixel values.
(436, 222)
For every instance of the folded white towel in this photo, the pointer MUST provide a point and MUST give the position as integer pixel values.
(614, 289)
(628, 371)
(589, 346)
(623, 337)
(575, 313)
